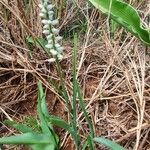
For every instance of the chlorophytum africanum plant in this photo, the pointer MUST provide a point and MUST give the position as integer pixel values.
(46, 139)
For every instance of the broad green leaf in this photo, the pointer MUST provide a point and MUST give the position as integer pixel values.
(26, 138)
(108, 143)
(20, 127)
(42, 99)
(35, 141)
(42, 146)
(43, 114)
(59, 122)
(42, 118)
(125, 15)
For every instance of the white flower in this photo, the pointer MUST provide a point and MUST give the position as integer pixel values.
(46, 26)
(54, 52)
(43, 15)
(49, 7)
(50, 13)
(55, 31)
(49, 22)
(51, 60)
(45, 21)
(58, 38)
(50, 41)
(60, 49)
(60, 56)
(57, 45)
(54, 22)
(43, 10)
(49, 37)
(49, 46)
(46, 32)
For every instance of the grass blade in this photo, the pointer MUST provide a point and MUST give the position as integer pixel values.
(26, 138)
(41, 98)
(43, 115)
(108, 143)
(74, 100)
(20, 127)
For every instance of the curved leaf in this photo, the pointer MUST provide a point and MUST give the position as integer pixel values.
(125, 15)
(35, 141)
(20, 127)
(26, 138)
(108, 143)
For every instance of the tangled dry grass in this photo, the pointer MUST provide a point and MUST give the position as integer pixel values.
(114, 73)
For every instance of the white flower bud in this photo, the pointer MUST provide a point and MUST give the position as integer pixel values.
(57, 45)
(55, 31)
(45, 21)
(54, 22)
(43, 10)
(50, 41)
(49, 22)
(49, 46)
(46, 32)
(51, 60)
(49, 7)
(58, 38)
(43, 15)
(54, 52)
(46, 26)
(50, 12)
(49, 37)
(60, 56)
(60, 49)
(50, 17)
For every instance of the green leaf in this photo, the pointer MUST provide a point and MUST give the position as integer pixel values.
(59, 122)
(43, 115)
(40, 111)
(20, 127)
(125, 15)
(35, 141)
(42, 99)
(38, 41)
(26, 138)
(108, 143)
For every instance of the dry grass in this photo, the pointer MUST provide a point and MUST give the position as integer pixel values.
(114, 74)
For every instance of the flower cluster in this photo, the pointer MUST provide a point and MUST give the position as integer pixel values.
(51, 33)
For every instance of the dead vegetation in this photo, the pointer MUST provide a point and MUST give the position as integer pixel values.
(114, 73)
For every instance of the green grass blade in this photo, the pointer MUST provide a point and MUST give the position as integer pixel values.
(35, 141)
(83, 107)
(42, 100)
(60, 123)
(41, 110)
(38, 42)
(42, 146)
(43, 114)
(26, 138)
(108, 143)
(20, 127)
(74, 99)
(126, 16)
